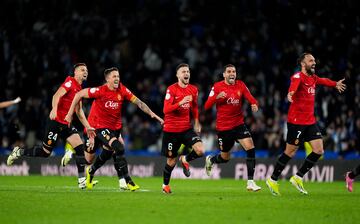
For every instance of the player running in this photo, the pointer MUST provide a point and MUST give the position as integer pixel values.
(105, 116)
(57, 127)
(230, 127)
(301, 122)
(180, 99)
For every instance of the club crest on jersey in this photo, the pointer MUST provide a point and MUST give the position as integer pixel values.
(238, 93)
(119, 97)
(111, 104)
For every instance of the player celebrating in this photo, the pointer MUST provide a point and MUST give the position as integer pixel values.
(10, 102)
(350, 178)
(301, 122)
(180, 99)
(105, 116)
(228, 95)
(58, 127)
(91, 146)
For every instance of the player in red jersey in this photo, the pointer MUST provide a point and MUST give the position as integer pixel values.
(301, 122)
(228, 95)
(10, 102)
(180, 100)
(105, 117)
(58, 127)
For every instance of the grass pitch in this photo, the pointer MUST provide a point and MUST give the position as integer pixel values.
(55, 199)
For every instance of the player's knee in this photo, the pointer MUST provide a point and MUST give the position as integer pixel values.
(45, 151)
(199, 149)
(79, 150)
(89, 158)
(319, 151)
(44, 154)
(118, 147)
(225, 157)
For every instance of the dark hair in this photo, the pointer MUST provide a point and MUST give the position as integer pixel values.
(181, 65)
(301, 58)
(228, 66)
(109, 70)
(78, 65)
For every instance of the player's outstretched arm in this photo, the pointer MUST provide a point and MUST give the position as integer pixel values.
(340, 86)
(147, 110)
(10, 102)
(78, 96)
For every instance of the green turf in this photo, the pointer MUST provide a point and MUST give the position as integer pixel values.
(56, 199)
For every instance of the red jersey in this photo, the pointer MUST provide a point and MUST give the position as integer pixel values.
(177, 118)
(105, 111)
(72, 87)
(229, 113)
(301, 111)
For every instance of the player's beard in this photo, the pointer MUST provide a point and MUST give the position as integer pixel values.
(185, 81)
(310, 70)
(231, 81)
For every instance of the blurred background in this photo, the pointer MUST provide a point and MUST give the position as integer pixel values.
(41, 40)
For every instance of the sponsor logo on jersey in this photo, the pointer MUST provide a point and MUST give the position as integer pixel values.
(111, 104)
(311, 90)
(233, 101)
(186, 105)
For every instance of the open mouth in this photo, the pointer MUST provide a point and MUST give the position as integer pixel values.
(186, 78)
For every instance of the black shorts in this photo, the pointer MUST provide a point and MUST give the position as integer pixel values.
(227, 139)
(54, 130)
(172, 141)
(298, 133)
(102, 138)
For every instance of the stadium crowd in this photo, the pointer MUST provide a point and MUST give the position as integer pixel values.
(41, 40)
